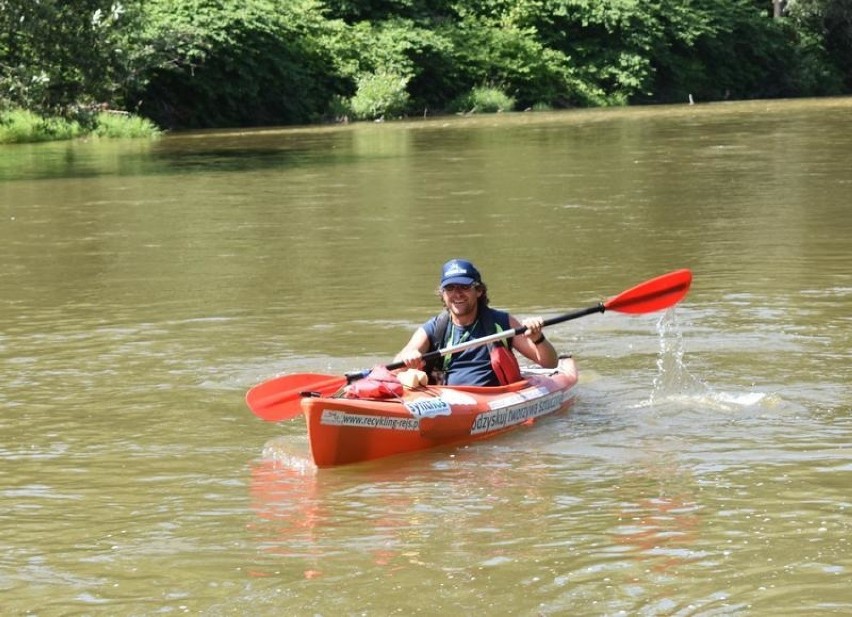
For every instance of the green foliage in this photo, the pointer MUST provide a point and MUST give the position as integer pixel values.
(385, 47)
(58, 57)
(210, 63)
(20, 126)
(114, 125)
(354, 11)
(823, 33)
(483, 100)
(23, 126)
(239, 63)
(605, 42)
(513, 58)
(380, 95)
(750, 52)
(422, 55)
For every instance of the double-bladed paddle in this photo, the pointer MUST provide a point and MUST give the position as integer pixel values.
(279, 399)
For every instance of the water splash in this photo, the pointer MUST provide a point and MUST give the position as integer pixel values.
(675, 384)
(290, 453)
(673, 379)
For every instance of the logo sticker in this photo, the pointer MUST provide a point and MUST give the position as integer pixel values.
(429, 408)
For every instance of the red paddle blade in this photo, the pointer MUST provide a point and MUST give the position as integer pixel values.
(654, 295)
(279, 399)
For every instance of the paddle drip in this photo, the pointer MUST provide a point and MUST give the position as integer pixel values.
(672, 379)
(675, 384)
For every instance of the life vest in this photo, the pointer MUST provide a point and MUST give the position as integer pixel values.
(503, 361)
(505, 365)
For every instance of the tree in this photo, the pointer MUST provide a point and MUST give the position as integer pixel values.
(58, 56)
(825, 28)
(239, 62)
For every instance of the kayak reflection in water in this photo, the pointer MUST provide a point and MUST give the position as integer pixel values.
(467, 316)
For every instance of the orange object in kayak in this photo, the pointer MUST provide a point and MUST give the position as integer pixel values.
(343, 431)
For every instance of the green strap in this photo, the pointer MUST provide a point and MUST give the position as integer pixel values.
(463, 338)
(488, 323)
(499, 328)
(435, 343)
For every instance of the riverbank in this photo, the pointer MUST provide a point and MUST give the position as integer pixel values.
(22, 126)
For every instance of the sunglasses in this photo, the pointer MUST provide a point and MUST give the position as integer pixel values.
(452, 288)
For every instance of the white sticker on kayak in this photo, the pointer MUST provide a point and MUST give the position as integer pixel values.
(333, 417)
(497, 419)
(429, 408)
(455, 397)
(518, 397)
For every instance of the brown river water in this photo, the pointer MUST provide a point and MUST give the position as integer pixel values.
(704, 470)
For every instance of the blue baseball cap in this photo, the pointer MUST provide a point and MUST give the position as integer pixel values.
(459, 272)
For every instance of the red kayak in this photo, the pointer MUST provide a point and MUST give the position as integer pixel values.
(344, 430)
(350, 430)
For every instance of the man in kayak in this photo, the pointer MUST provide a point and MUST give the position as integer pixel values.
(467, 317)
